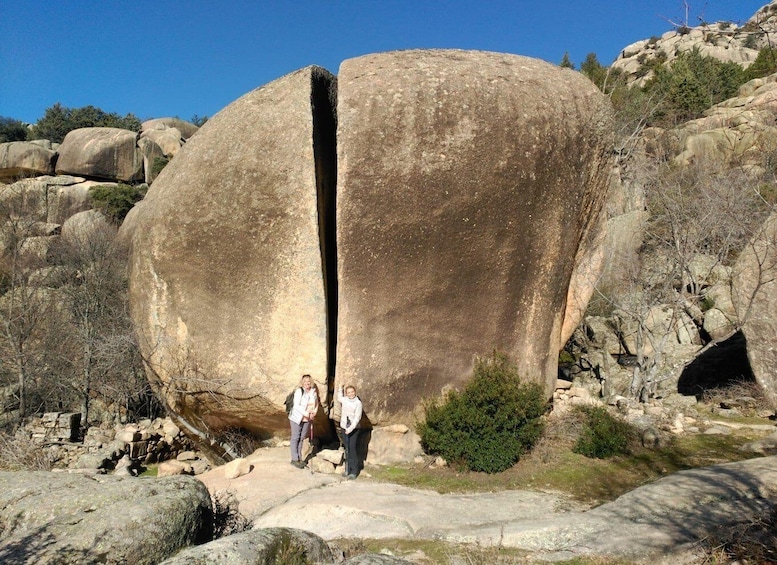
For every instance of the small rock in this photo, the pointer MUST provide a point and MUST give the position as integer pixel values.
(173, 467)
(237, 468)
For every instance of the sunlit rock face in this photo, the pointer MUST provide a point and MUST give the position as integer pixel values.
(756, 306)
(469, 186)
(227, 283)
(101, 153)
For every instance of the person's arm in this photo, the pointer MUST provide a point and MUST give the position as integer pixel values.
(314, 411)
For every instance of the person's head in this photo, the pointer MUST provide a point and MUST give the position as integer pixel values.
(350, 391)
(306, 382)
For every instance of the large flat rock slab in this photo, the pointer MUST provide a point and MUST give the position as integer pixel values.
(378, 510)
(467, 185)
(62, 518)
(648, 525)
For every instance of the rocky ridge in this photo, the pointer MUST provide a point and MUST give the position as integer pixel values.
(726, 41)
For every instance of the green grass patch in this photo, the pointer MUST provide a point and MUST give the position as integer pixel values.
(589, 481)
(434, 552)
(150, 471)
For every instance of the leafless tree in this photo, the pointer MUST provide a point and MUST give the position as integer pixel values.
(699, 211)
(25, 303)
(91, 343)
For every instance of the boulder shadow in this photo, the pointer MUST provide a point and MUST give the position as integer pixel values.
(718, 367)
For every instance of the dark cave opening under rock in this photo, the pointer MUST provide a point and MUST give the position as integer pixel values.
(721, 365)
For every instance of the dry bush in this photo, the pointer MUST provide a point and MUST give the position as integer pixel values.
(20, 453)
(754, 542)
(242, 442)
(561, 432)
(227, 519)
(747, 396)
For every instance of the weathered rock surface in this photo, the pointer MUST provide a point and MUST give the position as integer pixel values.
(63, 518)
(21, 158)
(227, 275)
(101, 153)
(49, 199)
(656, 523)
(468, 183)
(270, 545)
(756, 304)
(185, 129)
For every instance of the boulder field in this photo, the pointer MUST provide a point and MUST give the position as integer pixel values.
(382, 228)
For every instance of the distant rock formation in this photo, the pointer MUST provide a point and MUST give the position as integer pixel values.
(22, 158)
(725, 41)
(103, 153)
(98, 153)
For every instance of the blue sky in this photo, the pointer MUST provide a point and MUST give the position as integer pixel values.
(159, 58)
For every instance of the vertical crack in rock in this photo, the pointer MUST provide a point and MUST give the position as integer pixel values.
(323, 103)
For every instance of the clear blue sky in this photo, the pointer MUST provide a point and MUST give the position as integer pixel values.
(159, 58)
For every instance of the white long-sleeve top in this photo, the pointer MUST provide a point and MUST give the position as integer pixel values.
(304, 403)
(350, 412)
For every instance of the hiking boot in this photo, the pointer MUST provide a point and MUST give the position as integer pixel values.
(351, 477)
(298, 464)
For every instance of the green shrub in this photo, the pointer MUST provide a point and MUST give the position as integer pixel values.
(157, 166)
(58, 120)
(116, 201)
(764, 65)
(603, 435)
(488, 425)
(706, 303)
(12, 130)
(690, 85)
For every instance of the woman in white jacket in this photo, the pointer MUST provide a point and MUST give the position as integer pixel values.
(350, 415)
(300, 417)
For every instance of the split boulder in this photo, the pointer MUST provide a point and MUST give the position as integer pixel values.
(755, 301)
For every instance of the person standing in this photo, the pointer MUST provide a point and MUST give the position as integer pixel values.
(301, 416)
(350, 416)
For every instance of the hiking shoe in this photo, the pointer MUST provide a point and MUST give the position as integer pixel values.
(351, 477)
(298, 464)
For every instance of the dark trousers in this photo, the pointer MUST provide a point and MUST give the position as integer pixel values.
(351, 445)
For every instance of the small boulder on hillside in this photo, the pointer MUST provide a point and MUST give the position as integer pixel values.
(21, 158)
(101, 153)
(185, 129)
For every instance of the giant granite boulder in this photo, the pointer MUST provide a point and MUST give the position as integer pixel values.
(101, 153)
(468, 185)
(227, 284)
(21, 158)
(468, 215)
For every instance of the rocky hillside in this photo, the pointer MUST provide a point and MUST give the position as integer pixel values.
(725, 40)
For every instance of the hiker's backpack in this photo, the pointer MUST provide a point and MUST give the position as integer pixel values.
(289, 402)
